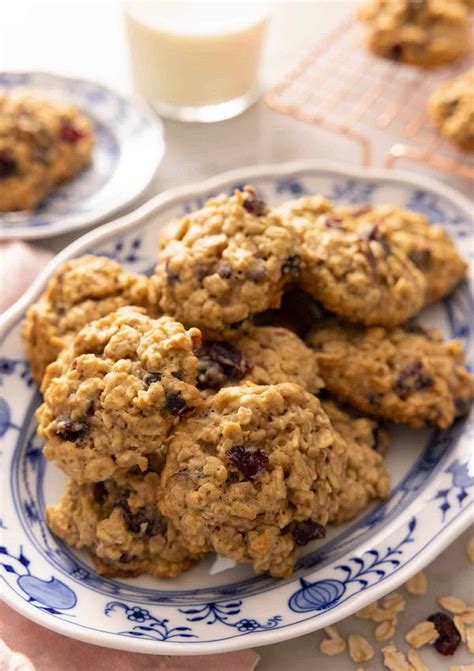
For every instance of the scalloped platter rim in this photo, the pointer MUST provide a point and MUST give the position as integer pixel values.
(214, 608)
(124, 128)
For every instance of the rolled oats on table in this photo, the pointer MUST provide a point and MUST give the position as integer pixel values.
(394, 660)
(385, 630)
(421, 634)
(360, 649)
(417, 585)
(416, 661)
(453, 604)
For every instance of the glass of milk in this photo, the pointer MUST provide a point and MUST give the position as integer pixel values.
(196, 61)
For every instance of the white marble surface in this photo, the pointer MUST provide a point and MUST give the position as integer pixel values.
(87, 38)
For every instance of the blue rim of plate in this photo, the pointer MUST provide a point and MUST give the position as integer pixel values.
(124, 129)
(439, 486)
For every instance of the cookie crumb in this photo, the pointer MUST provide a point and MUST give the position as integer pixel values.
(395, 660)
(417, 585)
(452, 604)
(470, 549)
(360, 649)
(416, 661)
(385, 630)
(421, 634)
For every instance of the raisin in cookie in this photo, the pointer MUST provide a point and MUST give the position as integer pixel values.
(80, 291)
(119, 523)
(451, 108)
(365, 478)
(113, 395)
(42, 143)
(422, 32)
(254, 475)
(220, 265)
(357, 273)
(427, 245)
(402, 374)
(264, 355)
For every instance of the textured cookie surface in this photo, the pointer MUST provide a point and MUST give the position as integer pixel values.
(119, 523)
(451, 108)
(80, 291)
(254, 475)
(401, 374)
(220, 265)
(264, 355)
(422, 32)
(42, 143)
(427, 245)
(365, 477)
(113, 395)
(355, 273)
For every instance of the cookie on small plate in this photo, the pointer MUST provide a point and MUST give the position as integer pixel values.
(451, 109)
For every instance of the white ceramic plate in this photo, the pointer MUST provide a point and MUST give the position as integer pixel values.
(129, 146)
(203, 611)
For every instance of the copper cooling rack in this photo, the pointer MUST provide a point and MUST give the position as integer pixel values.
(340, 86)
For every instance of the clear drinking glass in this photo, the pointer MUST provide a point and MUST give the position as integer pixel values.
(196, 61)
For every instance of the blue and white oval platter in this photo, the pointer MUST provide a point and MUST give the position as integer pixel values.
(217, 606)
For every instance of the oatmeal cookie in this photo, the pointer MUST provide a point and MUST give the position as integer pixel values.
(451, 109)
(119, 523)
(254, 475)
(113, 395)
(220, 265)
(365, 478)
(42, 143)
(264, 355)
(427, 245)
(355, 273)
(403, 374)
(80, 291)
(421, 32)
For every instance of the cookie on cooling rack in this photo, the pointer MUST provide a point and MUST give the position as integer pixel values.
(421, 32)
(451, 109)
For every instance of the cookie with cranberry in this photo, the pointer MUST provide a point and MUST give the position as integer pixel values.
(79, 291)
(220, 265)
(119, 524)
(113, 395)
(422, 32)
(365, 477)
(264, 355)
(451, 109)
(427, 245)
(43, 142)
(353, 272)
(403, 374)
(254, 475)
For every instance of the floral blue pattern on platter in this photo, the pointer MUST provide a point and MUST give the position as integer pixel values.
(123, 128)
(202, 611)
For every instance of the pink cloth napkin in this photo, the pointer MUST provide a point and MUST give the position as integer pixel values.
(46, 650)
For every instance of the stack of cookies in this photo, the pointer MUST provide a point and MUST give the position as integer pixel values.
(234, 401)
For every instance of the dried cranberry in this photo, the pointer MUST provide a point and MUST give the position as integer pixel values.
(127, 557)
(8, 164)
(412, 378)
(151, 378)
(395, 52)
(69, 429)
(137, 522)
(100, 493)
(252, 204)
(373, 399)
(176, 403)
(196, 342)
(90, 407)
(235, 326)
(306, 531)
(448, 636)
(298, 312)
(70, 133)
(420, 257)
(171, 275)
(333, 222)
(373, 232)
(291, 266)
(414, 327)
(220, 363)
(249, 460)
(225, 270)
